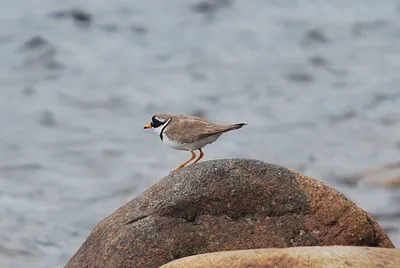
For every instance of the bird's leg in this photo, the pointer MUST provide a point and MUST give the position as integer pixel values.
(184, 164)
(200, 156)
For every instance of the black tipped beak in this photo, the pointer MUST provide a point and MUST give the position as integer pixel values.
(147, 126)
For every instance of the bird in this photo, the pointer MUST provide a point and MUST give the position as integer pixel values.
(187, 133)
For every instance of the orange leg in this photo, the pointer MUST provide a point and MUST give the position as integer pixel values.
(200, 156)
(184, 164)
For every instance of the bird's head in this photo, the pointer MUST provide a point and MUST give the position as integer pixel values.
(158, 121)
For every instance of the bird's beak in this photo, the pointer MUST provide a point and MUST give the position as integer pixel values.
(147, 126)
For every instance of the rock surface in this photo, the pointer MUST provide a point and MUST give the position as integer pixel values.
(308, 257)
(224, 205)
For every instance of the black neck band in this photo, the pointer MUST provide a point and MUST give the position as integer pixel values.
(163, 128)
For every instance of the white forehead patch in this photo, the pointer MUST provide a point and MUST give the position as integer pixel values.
(160, 119)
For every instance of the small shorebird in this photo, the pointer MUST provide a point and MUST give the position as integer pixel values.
(187, 133)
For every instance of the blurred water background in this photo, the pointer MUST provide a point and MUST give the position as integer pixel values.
(317, 81)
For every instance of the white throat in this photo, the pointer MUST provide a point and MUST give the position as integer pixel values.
(160, 128)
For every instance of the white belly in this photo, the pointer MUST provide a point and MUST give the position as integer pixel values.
(190, 146)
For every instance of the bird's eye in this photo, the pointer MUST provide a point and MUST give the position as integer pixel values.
(155, 122)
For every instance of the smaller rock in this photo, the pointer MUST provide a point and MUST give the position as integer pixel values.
(139, 29)
(76, 14)
(80, 15)
(387, 176)
(35, 42)
(300, 77)
(43, 57)
(329, 256)
(208, 6)
(40, 53)
(314, 36)
(318, 61)
(47, 119)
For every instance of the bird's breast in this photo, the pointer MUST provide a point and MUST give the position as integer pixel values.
(173, 143)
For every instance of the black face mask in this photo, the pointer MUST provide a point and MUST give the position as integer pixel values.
(156, 123)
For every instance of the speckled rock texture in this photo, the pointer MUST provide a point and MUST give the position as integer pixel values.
(298, 257)
(221, 205)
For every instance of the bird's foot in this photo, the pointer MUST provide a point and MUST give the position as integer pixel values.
(172, 171)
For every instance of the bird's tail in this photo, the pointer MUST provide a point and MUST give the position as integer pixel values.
(239, 125)
(222, 129)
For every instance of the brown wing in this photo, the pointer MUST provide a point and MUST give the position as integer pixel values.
(191, 128)
(218, 130)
